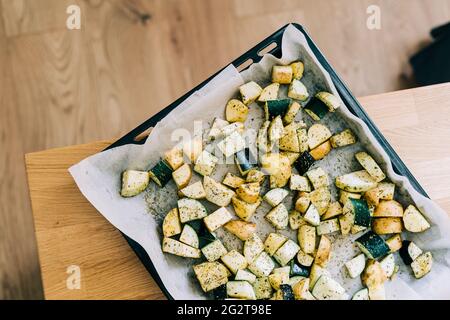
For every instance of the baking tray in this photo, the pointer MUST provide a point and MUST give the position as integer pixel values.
(255, 55)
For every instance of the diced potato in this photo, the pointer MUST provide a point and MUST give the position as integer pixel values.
(305, 259)
(320, 198)
(307, 238)
(236, 111)
(299, 183)
(321, 151)
(414, 221)
(286, 252)
(244, 210)
(216, 192)
(174, 157)
(134, 182)
(270, 92)
(262, 266)
(395, 242)
(278, 217)
(359, 181)
(194, 191)
(323, 252)
(249, 192)
(253, 246)
(344, 196)
(292, 112)
(182, 176)
(241, 229)
(368, 163)
(205, 163)
(217, 219)
(318, 178)
(232, 180)
(343, 139)
(211, 275)
(297, 69)
(318, 134)
(388, 208)
(373, 274)
(282, 74)
(387, 225)
(216, 128)
(273, 242)
(328, 226)
(234, 261)
(250, 92)
(334, 210)
(262, 287)
(302, 202)
(231, 144)
(171, 223)
(179, 249)
(240, 290)
(255, 175)
(297, 90)
(214, 251)
(296, 220)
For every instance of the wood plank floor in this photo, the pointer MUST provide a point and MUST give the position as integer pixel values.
(133, 57)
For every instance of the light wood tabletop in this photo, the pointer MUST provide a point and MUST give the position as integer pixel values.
(70, 232)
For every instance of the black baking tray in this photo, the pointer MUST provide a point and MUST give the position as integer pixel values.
(255, 55)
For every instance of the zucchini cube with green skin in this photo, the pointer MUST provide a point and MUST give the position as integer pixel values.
(328, 289)
(343, 139)
(356, 265)
(292, 112)
(161, 173)
(134, 182)
(244, 275)
(331, 101)
(368, 163)
(359, 181)
(297, 90)
(316, 109)
(286, 253)
(273, 242)
(262, 287)
(270, 92)
(211, 275)
(217, 193)
(217, 219)
(318, 178)
(240, 290)
(178, 248)
(328, 226)
(231, 144)
(236, 111)
(312, 216)
(252, 248)
(282, 74)
(234, 261)
(304, 162)
(262, 266)
(245, 161)
(275, 196)
(409, 252)
(214, 250)
(276, 108)
(205, 164)
(298, 271)
(250, 92)
(189, 236)
(191, 209)
(278, 217)
(361, 212)
(372, 245)
(194, 191)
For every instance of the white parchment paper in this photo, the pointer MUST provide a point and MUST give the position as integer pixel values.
(98, 178)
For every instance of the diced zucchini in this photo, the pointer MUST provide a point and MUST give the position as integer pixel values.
(280, 169)
(304, 162)
(262, 266)
(249, 192)
(231, 144)
(368, 163)
(318, 178)
(189, 236)
(278, 217)
(276, 108)
(330, 100)
(320, 199)
(321, 151)
(359, 181)
(190, 209)
(240, 290)
(194, 191)
(232, 180)
(302, 135)
(372, 245)
(270, 92)
(174, 157)
(409, 252)
(161, 173)
(262, 140)
(373, 275)
(134, 182)
(234, 261)
(273, 242)
(297, 90)
(299, 183)
(315, 274)
(255, 175)
(323, 252)
(250, 92)
(276, 129)
(216, 192)
(236, 111)
(275, 196)
(305, 259)
(220, 293)
(297, 69)
(211, 275)
(285, 292)
(302, 202)
(237, 127)
(328, 226)
(286, 252)
(298, 270)
(277, 279)
(182, 176)
(362, 294)
(316, 109)
(307, 238)
(414, 221)
(204, 236)
(214, 250)
(205, 163)
(357, 229)
(217, 219)
(216, 129)
(421, 266)
(282, 74)
(394, 243)
(253, 246)
(372, 197)
(387, 225)
(292, 112)
(344, 196)
(312, 216)
(245, 161)
(171, 223)
(361, 212)
(318, 134)
(328, 289)
(343, 139)
(289, 141)
(334, 210)
(243, 209)
(241, 229)
(244, 275)
(193, 148)
(388, 265)
(296, 220)
(356, 265)
(179, 249)
(262, 287)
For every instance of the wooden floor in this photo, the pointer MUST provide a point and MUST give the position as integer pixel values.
(131, 58)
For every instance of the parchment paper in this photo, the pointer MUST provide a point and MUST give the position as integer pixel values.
(98, 178)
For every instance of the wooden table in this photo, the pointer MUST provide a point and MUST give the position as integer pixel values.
(71, 232)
